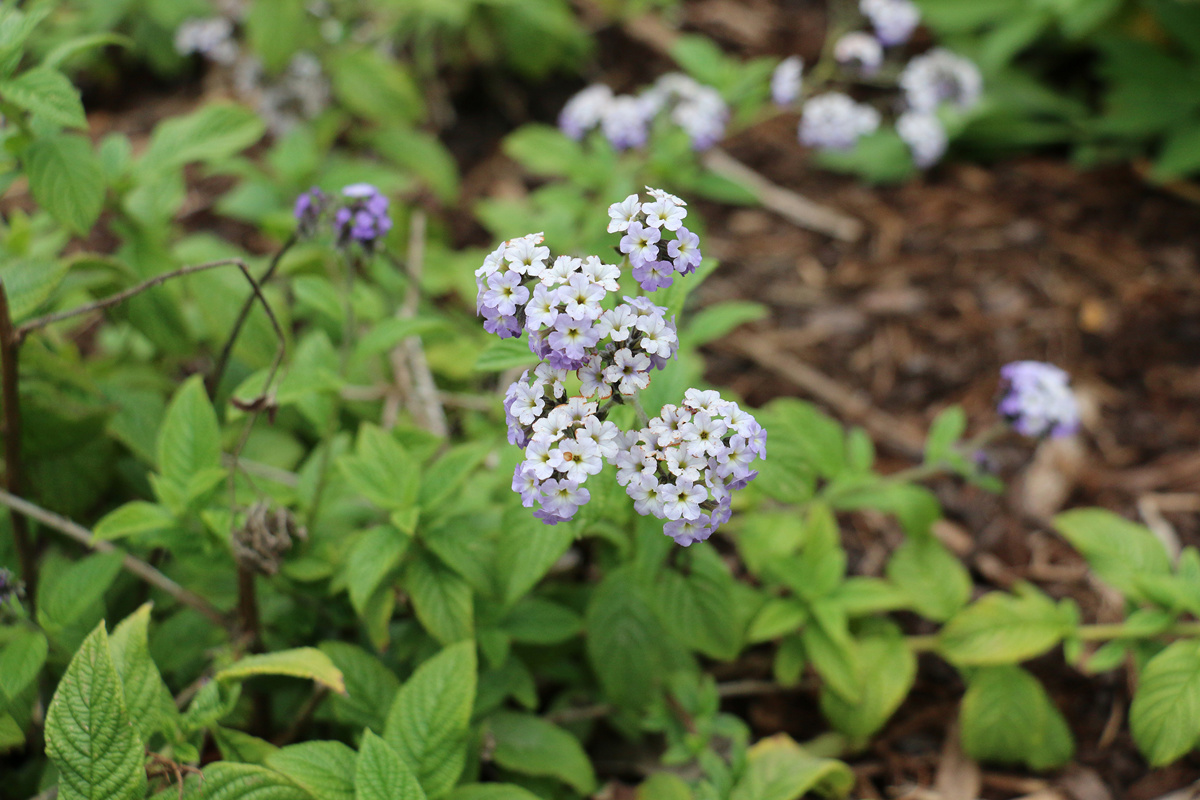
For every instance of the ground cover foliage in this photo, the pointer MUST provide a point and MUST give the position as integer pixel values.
(262, 537)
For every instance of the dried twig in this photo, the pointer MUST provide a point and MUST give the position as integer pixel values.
(131, 563)
(793, 207)
(849, 404)
(410, 369)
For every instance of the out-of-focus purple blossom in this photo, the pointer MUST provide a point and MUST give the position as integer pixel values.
(310, 207)
(787, 81)
(363, 216)
(585, 110)
(10, 587)
(211, 37)
(940, 76)
(925, 136)
(835, 122)
(859, 50)
(625, 123)
(893, 20)
(1038, 400)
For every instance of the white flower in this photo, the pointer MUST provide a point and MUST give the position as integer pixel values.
(623, 213)
(834, 121)
(925, 136)
(664, 214)
(940, 76)
(859, 48)
(787, 81)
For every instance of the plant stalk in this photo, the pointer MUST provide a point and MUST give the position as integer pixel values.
(10, 346)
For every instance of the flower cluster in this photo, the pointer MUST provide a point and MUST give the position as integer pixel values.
(834, 121)
(1038, 400)
(360, 215)
(301, 91)
(692, 457)
(625, 119)
(685, 464)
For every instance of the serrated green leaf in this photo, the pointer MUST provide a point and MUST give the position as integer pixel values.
(382, 470)
(47, 93)
(66, 179)
(491, 791)
(886, 670)
(1165, 714)
(370, 686)
(382, 775)
(699, 606)
(933, 581)
(213, 132)
(526, 550)
(778, 616)
(76, 595)
(89, 735)
(373, 557)
(324, 769)
(133, 518)
(620, 620)
(428, 722)
(441, 598)
(535, 620)
(1117, 550)
(300, 662)
(20, 662)
(529, 744)
(241, 747)
(226, 781)
(146, 696)
(189, 440)
(1001, 628)
(829, 647)
(1008, 717)
(31, 282)
(446, 476)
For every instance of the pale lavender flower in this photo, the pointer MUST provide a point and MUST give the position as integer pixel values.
(893, 20)
(640, 243)
(310, 207)
(684, 250)
(623, 213)
(787, 81)
(835, 122)
(1038, 400)
(664, 214)
(585, 110)
(940, 76)
(861, 50)
(925, 136)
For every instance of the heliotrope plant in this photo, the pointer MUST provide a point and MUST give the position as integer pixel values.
(930, 85)
(681, 465)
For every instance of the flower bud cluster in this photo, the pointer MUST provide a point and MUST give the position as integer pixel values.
(359, 211)
(1038, 400)
(685, 464)
(692, 457)
(625, 119)
(835, 121)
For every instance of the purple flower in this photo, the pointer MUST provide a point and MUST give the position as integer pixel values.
(861, 50)
(1038, 400)
(787, 81)
(893, 20)
(925, 136)
(835, 122)
(940, 76)
(685, 251)
(363, 217)
(310, 207)
(640, 242)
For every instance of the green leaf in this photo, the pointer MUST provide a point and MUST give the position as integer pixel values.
(300, 662)
(778, 616)
(20, 662)
(947, 428)
(718, 320)
(382, 775)
(505, 355)
(441, 599)
(211, 133)
(324, 769)
(374, 86)
(664, 786)
(31, 282)
(133, 518)
(934, 582)
(880, 157)
(146, 696)
(619, 620)
(47, 93)
(544, 150)
(74, 595)
(382, 470)
(1001, 628)
(422, 154)
(89, 735)
(816, 437)
(780, 769)
(371, 560)
(1007, 717)
(66, 178)
(886, 670)
(189, 440)
(428, 724)
(446, 476)
(1117, 550)
(831, 650)
(239, 746)
(276, 29)
(700, 606)
(370, 686)
(1165, 714)
(526, 551)
(535, 620)
(226, 781)
(491, 791)
(529, 744)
